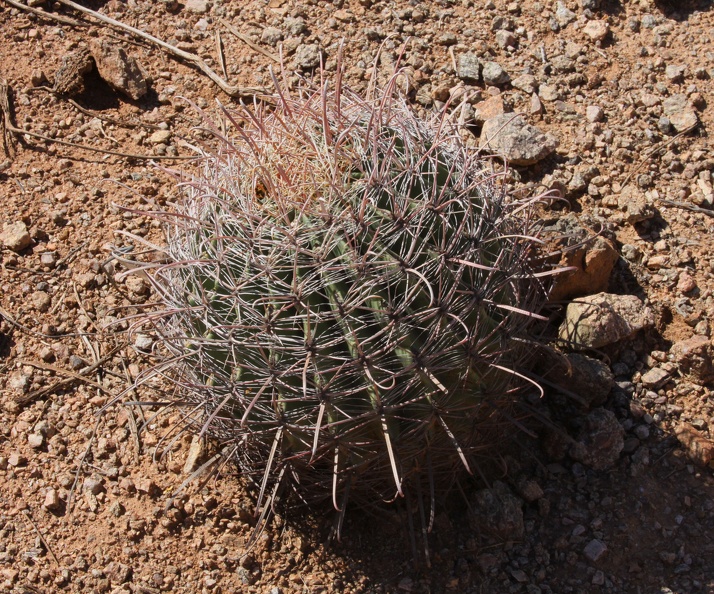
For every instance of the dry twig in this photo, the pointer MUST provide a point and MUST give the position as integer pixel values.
(653, 151)
(94, 149)
(46, 15)
(42, 537)
(219, 51)
(72, 377)
(249, 42)
(689, 207)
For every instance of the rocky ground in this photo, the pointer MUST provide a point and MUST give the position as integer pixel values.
(615, 103)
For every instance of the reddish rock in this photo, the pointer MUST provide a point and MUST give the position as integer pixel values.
(117, 68)
(695, 356)
(699, 448)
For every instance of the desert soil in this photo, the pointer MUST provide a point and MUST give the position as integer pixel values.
(90, 494)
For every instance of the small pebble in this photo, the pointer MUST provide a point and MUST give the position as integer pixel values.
(594, 113)
(595, 549)
(16, 460)
(686, 283)
(596, 30)
(35, 440)
(52, 500)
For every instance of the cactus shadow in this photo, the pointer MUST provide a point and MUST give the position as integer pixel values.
(681, 10)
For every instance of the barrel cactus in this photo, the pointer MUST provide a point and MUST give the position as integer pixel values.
(347, 294)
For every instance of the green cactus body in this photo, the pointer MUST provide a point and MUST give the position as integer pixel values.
(343, 273)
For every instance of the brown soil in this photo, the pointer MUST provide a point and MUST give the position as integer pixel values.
(87, 492)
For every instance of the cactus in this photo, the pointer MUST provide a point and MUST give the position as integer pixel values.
(347, 295)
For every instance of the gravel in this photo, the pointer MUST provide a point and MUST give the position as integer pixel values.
(614, 495)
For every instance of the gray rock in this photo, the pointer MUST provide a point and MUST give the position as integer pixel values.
(600, 441)
(469, 68)
(493, 74)
(271, 36)
(548, 93)
(118, 69)
(563, 15)
(684, 120)
(93, 484)
(15, 236)
(143, 342)
(680, 112)
(307, 56)
(505, 39)
(160, 137)
(594, 113)
(642, 432)
(295, 26)
(48, 259)
(674, 73)
(19, 381)
(519, 142)
(595, 549)
(526, 83)
(654, 378)
(598, 320)
(497, 513)
(35, 440)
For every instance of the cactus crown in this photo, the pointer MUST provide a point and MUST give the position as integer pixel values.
(347, 293)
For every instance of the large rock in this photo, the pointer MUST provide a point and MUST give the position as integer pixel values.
(593, 262)
(592, 257)
(15, 236)
(695, 356)
(118, 69)
(600, 441)
(598, 320)
(497, 513)
(512, 137)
